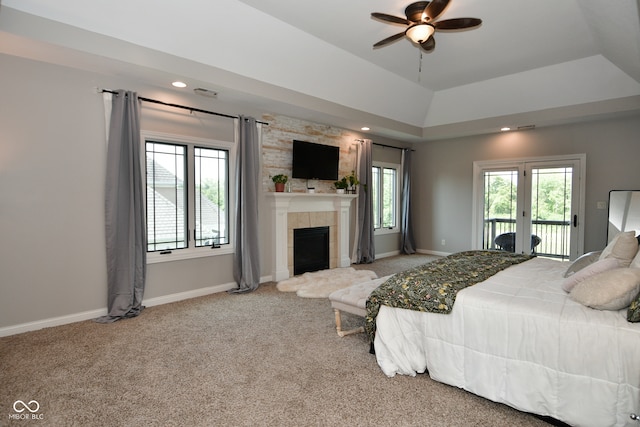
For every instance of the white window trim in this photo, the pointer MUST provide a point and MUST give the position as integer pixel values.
(193, 252)
(397, 166)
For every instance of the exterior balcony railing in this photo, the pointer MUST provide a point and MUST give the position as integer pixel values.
(554, 235)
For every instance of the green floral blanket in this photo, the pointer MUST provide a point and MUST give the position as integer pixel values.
(433, 286)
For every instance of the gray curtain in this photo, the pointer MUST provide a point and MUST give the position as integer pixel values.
(365, 248)
(246, 260)
(124, 211)
(407, 243)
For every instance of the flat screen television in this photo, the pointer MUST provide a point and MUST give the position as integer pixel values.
(315, 161)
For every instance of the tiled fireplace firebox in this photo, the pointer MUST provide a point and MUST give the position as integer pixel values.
(303, 210)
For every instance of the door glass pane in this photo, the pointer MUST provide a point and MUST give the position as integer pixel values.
(551, 211)
(500, 207)
(166, 196)
(211, 196)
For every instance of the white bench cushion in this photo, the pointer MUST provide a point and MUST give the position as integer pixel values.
(353, 299)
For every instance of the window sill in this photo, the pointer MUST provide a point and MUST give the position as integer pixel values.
(182, 254)
(382, 231)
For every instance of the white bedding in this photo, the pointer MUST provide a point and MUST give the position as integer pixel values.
(518, 339)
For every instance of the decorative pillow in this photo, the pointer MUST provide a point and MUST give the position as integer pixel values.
(623, 247)
(607, 250)
(582, 261)
(633, 313)
(635, 262)
(590, 270)
(609, 290)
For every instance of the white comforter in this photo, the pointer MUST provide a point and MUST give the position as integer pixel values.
(518, 339)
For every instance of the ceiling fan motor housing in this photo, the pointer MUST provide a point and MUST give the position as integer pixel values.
(414, 10)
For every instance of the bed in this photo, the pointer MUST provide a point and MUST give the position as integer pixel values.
(520, 338)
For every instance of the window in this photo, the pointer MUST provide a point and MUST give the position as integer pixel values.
(385, 193)
(187, 197)
(531, 205)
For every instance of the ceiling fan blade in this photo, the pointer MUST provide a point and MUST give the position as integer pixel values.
(457, 24)
(390, 18)
(389, 39)
(429, 45)
(435, 9)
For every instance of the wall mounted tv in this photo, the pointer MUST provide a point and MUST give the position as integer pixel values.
(315, 161)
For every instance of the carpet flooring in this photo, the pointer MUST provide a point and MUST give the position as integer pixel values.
(266, 358)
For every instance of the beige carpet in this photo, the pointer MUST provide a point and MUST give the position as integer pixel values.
(266, 358)
(320, 284)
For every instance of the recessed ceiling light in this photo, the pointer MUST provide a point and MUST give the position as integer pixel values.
(504, 129)
(179, 84)
(365, 128)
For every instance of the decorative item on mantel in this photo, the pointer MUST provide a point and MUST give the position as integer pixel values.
(280, 180)
(347, 184)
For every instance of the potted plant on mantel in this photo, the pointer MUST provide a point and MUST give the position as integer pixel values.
(347, 184)
(280, 180)
(341, 185)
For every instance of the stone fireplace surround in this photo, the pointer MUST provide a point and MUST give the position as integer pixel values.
(301, 210)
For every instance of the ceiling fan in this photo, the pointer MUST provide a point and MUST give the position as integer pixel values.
(421, 21)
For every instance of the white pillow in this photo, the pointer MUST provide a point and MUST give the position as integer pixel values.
(609, 290)
(588, 271)
(623, 247)
(635, 262)
(609, 248)
(582, 262)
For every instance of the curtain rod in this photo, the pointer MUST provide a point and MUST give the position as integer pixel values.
(192, 109)
(386, 146)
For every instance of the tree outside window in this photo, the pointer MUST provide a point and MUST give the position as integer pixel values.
(384, 190)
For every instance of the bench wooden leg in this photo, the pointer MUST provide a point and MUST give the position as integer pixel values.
(342, 333)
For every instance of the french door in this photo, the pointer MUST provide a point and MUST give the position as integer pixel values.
(530, 206)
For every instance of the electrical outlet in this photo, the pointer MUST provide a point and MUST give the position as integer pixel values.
(443, 242)
(601, 205)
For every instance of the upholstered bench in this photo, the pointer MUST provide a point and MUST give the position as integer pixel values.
(353, 299)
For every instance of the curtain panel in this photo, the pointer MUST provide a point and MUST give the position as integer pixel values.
(365, 247)
(407, 243)
(124, 211)
(246, 260)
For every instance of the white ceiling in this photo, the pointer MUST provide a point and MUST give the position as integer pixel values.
(529, 63)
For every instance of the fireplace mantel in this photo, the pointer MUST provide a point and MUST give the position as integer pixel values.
(284, 203)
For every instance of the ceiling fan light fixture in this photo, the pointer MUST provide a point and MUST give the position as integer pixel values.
(420, 33)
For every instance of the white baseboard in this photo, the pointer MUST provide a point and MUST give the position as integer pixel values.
(53, 321)
(181, 296)
(387, 254)
(92, 314)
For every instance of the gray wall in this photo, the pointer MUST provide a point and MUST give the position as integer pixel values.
(52, 157)
(52, 167)
(443, 175)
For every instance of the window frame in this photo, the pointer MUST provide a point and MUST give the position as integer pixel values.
(397, 167)
(191, 251)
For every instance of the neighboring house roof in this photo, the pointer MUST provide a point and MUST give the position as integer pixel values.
(163, 178)
(166, 210)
